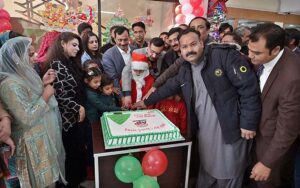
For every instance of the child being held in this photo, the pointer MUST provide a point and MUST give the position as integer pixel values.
(175, 110)
(101, 101)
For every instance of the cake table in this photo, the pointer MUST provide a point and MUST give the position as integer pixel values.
(176, 175)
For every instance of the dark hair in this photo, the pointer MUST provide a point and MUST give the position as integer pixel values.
(292, 33)
(207, 23)
(273, 34)
(235, 37)
(92, 73)
(163, 33)
(240, 31)
(56, 51)
(158, 42)
(121, 29)
(138, 24)
(106, 80)
(86, 64)
(184, 25)
(174, 30)
(187, 31)
(85, 42)
(113, 27)
(81, 27)
(225, 26)
(13, 34)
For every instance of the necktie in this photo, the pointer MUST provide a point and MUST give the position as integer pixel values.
(260, 70)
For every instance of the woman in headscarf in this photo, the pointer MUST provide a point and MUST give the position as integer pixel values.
(36, 123)
(65, 58)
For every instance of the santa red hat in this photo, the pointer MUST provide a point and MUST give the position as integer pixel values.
(139, 61)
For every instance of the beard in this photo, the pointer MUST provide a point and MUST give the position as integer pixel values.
(139, 79)
(140, 82)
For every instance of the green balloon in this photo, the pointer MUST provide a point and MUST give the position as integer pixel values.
(128, 169)
(145, 182)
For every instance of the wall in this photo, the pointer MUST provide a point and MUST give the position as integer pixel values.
(265, 5)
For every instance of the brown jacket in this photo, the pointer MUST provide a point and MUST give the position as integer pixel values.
(279, 125)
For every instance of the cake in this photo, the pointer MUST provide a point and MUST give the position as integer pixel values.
(142, 127)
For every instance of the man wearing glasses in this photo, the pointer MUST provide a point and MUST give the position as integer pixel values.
(153, 54)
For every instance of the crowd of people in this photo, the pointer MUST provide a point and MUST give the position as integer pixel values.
(237, 99)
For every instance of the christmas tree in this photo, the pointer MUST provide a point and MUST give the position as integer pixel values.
(118, 19)
(216, 15)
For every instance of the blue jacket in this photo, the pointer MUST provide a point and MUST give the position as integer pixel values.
(113, 64)
(231, 84)
(97, 103)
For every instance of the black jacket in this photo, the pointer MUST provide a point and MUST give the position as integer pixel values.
(231, 84)
(168, 59)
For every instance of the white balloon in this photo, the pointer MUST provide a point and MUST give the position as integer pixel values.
(188, 18)
(187, 9)
(182, 2)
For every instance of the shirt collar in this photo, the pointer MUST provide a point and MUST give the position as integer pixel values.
(272, 63)
(122, 51)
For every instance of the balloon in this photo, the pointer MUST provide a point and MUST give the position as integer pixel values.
(188, 18)
(198, 11)
(187, 9)
(180, 19)
(4, 25)
(4, 15)
(128, 169)
(154, 163)
(182, 2)
(195, 3)
(145, 182)
(1, 3)
(178, 9)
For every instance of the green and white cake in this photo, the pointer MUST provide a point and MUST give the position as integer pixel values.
(142, 127)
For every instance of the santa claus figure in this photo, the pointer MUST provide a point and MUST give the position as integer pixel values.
(141, 81)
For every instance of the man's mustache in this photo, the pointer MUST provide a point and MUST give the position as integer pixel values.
(191, 53)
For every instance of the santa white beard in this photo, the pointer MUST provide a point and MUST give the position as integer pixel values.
(140, 82)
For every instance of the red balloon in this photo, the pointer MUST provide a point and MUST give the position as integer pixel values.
(154, 163)
(195, 3)
(178, 9)
(4, 25)
(198, 11)
(4, 15)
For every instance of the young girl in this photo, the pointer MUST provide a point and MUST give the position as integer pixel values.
(99, 102)
(93, 82)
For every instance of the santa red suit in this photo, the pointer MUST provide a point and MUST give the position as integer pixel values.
(138, 93)
(141, 83)
(175, 111)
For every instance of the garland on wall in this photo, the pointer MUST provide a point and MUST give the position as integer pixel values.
(56, 17)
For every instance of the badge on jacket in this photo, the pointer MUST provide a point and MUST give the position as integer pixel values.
(243, 69)
(218, 72)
